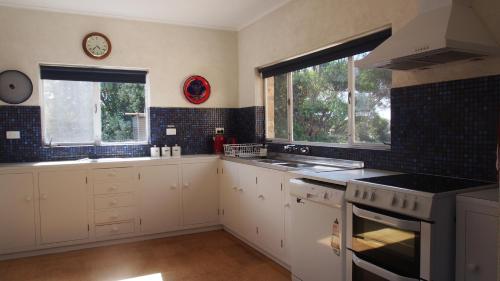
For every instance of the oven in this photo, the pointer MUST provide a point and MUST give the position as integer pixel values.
(386, 246)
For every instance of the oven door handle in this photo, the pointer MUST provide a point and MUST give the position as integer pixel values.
(390, 276)
(387, 220)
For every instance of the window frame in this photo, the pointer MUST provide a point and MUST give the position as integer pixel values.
(97, 122)
(351, 141)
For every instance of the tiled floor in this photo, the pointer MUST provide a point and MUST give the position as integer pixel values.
(210, 256)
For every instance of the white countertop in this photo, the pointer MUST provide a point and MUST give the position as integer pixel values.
(342, 177)
(490, 195)
(104, 162)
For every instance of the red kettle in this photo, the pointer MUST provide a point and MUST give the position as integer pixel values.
(219, 142)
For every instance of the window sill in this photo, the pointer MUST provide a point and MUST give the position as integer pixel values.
(69, 145)
(365, 146)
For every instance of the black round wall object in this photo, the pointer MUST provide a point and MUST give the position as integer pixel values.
(15, 87)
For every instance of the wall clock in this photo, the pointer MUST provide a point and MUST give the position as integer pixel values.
(96, 45)
(196, 89)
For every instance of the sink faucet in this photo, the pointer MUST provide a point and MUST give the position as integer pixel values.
(292, 148)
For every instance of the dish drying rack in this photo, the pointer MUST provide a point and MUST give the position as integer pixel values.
(243, 150)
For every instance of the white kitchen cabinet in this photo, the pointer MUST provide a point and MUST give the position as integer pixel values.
(63, 206)
(200, 199)
(230, 195)
(17, 212)
(160, 208)
(477, 229)
(248, 202)
(269, 209)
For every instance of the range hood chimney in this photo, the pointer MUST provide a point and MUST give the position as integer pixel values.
(444, 31)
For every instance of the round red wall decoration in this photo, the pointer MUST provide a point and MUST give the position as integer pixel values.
(196, 89)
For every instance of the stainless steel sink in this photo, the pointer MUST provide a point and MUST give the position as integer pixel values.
(272, 161)
(295, 165)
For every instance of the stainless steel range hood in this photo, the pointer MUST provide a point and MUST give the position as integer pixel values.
(444, 31)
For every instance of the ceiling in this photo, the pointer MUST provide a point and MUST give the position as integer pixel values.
(219, 14)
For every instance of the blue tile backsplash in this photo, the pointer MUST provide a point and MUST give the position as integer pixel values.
(446, 128)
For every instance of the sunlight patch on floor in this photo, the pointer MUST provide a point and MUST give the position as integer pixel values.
(150, 277)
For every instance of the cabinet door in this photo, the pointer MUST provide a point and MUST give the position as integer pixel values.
(287, 210)
(230, 196)
(270, 209)
(17, 212)
(248, 202)
(63, 206)
(160, 198)
(200, 199)
(480, 247)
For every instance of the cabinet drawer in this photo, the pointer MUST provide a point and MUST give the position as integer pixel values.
(118, 200)
(114, 229)
(115, 214)
(114, 175)
(113, 187)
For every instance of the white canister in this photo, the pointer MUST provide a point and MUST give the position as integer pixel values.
(165, 152)
(176, 151)
(155, 152)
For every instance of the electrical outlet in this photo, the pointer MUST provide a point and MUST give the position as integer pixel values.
(171, 131)
(219, 131)
(13, 135)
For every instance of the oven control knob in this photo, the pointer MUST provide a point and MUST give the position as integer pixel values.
(365, 194)
(394, 200)
(404, 203)
(372, 196)
(414, 205)
(356, 193)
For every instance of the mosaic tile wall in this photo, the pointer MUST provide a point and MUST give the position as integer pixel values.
(195, 130)
(447, 128)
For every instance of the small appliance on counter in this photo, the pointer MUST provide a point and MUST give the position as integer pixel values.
(155, 152)
(219, 142)
(166, 152)
(176, 151)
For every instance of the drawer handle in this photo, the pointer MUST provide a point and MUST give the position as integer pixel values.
(113, 202)
(115, 229)
(113, 188)
(111, 174)
(114, 216)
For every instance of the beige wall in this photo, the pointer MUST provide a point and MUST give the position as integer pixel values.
(171, 53)
(305, 25)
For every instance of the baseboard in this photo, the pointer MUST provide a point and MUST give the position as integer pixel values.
(107, 243)
(252, 245)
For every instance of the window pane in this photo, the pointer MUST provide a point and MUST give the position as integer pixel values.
(372, 104)
(68, 111)
(276, 107)
(320, 103)
(122, 112)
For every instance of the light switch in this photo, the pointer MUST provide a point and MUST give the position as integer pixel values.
(219, 131)
(13, 135)
(171, 131)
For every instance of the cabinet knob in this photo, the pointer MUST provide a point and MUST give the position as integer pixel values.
(114, 216)
(173, 187)
(261, 196)
(287, 205)
(240, 189)
(113, 202)
(114, 187)
(43, 196)
(235, 188)
(186, 185)
(114, 229)
(27, 198)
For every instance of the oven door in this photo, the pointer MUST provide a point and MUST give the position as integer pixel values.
(383, 244)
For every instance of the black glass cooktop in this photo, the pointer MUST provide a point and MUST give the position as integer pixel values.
(425, 183)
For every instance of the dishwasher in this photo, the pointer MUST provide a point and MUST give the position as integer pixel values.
(318, 218)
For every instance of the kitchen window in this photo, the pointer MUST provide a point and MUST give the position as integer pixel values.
(322, 98)
(93, 106)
